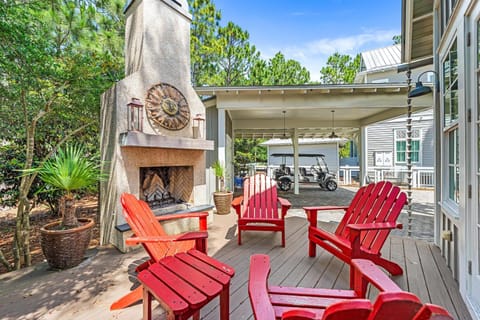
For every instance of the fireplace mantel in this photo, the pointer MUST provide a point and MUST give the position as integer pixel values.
(140, 139)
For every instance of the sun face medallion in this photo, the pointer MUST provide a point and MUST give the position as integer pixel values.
(166, 107)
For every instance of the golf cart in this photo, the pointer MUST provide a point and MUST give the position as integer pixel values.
(318, 172)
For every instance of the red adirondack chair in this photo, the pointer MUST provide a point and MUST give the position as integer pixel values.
(257, 209)
(272, 302)
(367, 222)
(150, 233)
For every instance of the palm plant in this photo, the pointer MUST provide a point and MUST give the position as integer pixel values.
(220, 174)
(68, 171)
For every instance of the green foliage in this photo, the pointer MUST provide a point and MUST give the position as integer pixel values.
(344, 151)
(223, 56)
(56, 58)
(70, 169)
(236, 56)
(219, 171)
(278, 71)
(397, 39)
(204, 44)
(248, 151)
(340, 69)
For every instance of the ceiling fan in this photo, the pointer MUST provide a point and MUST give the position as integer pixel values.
(333, 135)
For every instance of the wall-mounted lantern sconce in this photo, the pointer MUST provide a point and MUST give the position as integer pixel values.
(135, 115)
(198, 126)
(420, 89)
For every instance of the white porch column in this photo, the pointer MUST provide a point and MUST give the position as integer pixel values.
(363, 156)
(295, 162)
(221, 137)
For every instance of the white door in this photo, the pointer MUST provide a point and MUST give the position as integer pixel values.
(473, 211)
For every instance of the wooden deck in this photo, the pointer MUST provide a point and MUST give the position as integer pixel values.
(425, 272)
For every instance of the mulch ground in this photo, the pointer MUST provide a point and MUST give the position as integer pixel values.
(40, 216)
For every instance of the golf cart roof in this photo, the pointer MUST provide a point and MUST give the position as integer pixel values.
(300, 155)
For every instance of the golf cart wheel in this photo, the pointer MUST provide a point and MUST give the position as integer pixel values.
(331, 185)
(284, 184)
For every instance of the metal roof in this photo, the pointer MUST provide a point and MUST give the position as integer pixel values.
(382, 58)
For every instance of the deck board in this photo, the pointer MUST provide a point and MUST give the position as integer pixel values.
(426, 274)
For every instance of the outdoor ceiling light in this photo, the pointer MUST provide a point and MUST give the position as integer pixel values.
(284, 128)
(420, 89)
(333, 135)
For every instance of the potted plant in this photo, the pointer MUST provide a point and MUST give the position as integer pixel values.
(222, 197)
(64, 242)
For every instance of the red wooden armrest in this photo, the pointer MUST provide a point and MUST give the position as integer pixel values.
(179, 237)
(284, 202)
(365, 272)
(312, 212)
(257, 287)
(237, 203)
(182, 216)
(374, 226)
(322, 208)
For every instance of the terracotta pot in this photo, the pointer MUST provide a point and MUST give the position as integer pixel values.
(223, 201)
(65, 248)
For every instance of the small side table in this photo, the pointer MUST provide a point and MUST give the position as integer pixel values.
(185, 283)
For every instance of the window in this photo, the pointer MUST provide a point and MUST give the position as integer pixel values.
(401, 145)
(453, 168)
(449, 94)
(447, 9)
(450, 86)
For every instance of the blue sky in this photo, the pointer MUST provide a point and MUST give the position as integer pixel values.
(309, 31)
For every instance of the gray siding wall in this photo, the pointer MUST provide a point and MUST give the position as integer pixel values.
(211, 133)
(381, 139)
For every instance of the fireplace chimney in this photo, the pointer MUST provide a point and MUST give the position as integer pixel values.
(157, 72)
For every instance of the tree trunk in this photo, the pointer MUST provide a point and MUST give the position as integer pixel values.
(67, 207)
(21, 240)
(4, 261)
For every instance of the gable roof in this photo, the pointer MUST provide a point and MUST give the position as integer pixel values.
(383, 58)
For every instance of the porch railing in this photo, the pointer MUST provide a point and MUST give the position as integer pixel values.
(423, 177)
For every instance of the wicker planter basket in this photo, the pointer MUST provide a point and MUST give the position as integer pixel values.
(65, 248)
(223, 201)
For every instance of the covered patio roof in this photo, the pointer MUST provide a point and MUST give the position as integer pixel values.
(256, 111)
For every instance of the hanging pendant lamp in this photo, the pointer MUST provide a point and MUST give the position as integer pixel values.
(284, 127)
(333, 135)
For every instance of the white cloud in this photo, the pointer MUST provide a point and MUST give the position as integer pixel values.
(314, 54)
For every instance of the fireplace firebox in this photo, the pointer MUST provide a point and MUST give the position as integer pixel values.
(163, 187)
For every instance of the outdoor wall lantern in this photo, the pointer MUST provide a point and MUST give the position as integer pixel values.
(198, 126)
(420, 89)
(135, 115)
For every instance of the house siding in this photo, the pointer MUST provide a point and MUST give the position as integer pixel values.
(211, 134)
(381, 139)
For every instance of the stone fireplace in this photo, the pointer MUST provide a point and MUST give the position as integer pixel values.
(150, 145)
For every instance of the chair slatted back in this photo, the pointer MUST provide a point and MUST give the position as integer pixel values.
(378, 202)
(395, 305)
(142, 221)
(260, 198)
